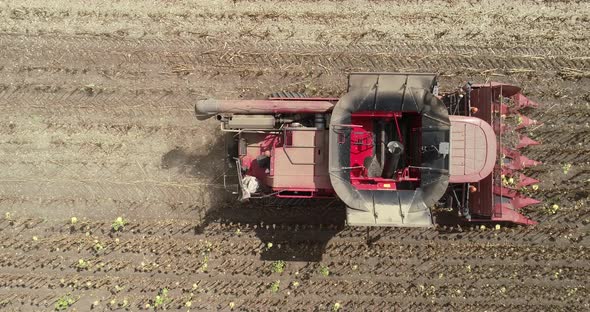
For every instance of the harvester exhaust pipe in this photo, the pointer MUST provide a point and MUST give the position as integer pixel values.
(319, 121)
(207, 108)
(394, 152)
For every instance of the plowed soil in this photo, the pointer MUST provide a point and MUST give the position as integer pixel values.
(96, 105)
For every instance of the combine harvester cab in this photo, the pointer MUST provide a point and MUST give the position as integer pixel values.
(391, 149)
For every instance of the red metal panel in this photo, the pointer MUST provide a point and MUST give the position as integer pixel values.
(297, 165)
(363, 146)
(482, 201)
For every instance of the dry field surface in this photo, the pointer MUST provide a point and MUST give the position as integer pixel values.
(96, 105)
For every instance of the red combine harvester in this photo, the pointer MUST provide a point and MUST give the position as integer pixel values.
(392, 149)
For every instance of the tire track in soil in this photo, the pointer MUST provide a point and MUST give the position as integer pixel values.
(352, 291)
(108, 129)
(174, 233)
(316, 286)
(531, 23)
(345, 287)
(263, 303)
(260, 55)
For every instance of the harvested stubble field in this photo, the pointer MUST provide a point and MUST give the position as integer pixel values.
(96, 105)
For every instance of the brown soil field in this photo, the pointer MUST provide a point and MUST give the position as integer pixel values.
(97, 123)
